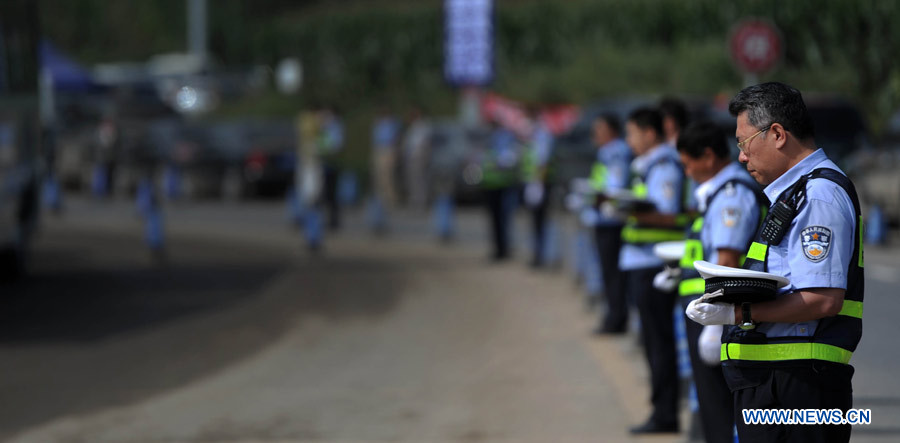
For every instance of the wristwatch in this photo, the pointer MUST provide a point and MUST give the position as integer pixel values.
(747, 322)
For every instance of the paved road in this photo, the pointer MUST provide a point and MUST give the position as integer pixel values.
(243, 336)
(877, 360)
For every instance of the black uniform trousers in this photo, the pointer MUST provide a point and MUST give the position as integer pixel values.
(656, 310)
(715, 399)
(539, 215)
(500, 213)
(799, 384)
(609, 243)
(330, 195)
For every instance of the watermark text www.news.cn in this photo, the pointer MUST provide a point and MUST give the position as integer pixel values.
(807, 417)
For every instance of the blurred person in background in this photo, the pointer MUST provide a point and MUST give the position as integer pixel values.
(500, 180)
(150, 210)
(52, 191)
(172, 177)
(535, 159)
(585, 260)
(676, 117)
(610, 174)
(154, 220)
(444, 164)
(330, 145)
(308, 175)
(731, 205)
(659, 179)
(416, 150)
(385, 139)
(105, 153)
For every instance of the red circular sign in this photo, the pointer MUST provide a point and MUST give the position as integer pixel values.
(756, 45)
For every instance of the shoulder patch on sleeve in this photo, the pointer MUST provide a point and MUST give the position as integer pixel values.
(730, 190)
(816, 242)
(669, 190)
(730, 217)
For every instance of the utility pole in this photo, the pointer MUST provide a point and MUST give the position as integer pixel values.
(196, 27)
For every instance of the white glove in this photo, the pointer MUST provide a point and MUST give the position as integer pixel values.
(611, 211)
(709, 345)
(710, 296)
(581, 186)
(667, 280)
(574, 202)
(534, 193)
(710, 313)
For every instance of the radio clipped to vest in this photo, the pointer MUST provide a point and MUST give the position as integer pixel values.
(777, 222)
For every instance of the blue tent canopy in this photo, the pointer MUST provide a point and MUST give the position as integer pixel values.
(67, 74)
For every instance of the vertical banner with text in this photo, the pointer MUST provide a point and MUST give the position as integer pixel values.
(468, 42)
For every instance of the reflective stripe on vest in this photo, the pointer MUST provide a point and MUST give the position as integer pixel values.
(852, 308)
(598, 177)
(640, 190)
(757, 251)
(785, 351)
(529, 165)
(692, 286)
(836, 337)
(496, 177)
(633, 233)
(639, 235)
(693, 248)
(691, 282)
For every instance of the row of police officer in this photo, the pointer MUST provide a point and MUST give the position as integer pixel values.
(798, 355)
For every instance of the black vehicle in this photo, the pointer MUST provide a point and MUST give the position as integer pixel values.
(455, 160)
(20, 150)
(269, 158)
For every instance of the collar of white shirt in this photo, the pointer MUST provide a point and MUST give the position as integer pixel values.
(641, 163)
(705, 189)
(790, 177)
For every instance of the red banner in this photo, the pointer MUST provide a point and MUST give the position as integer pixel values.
(512, 115)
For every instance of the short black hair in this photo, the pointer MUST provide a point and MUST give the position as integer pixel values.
(611, 120)
(698, 136)
(647, 118)
(774, 102)
(675, 108)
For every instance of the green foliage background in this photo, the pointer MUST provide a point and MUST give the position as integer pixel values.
(363, 54)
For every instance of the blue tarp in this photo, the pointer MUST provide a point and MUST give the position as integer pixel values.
(67, 74)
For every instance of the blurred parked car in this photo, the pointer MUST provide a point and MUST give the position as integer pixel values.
(455, 159)
(267, 165)
(228, 159)
(875, 173)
